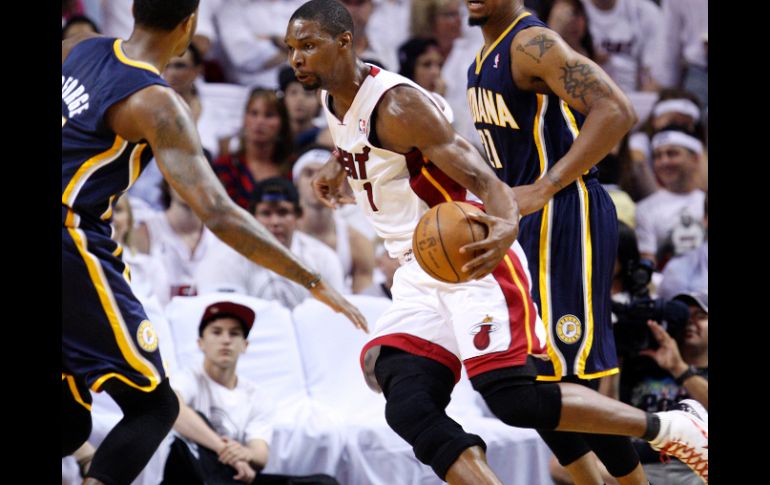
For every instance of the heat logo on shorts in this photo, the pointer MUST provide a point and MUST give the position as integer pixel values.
(481, 332)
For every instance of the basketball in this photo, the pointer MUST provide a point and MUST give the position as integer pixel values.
(440, 234)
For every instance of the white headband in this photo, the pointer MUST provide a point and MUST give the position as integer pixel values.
(677, 138)
(684, 106)
(317, 155)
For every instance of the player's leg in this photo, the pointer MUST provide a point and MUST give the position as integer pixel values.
(616, 452)
(76, 410)
(417, 390)
(147, 419)
(107, 338)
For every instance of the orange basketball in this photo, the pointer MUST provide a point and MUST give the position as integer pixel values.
(440, 234)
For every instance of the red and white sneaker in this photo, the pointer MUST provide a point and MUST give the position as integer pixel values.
(684, 435)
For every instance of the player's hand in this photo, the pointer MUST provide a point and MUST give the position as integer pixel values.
(667, 355)
(329, 184)
(500, 237)
(233, 452)
(339, 304)
(531, 198)
(245, 473)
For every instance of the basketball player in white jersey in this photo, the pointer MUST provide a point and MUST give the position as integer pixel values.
(401, 156)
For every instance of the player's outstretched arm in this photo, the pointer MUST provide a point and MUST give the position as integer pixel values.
(161, 117)
(407, 119)
(541, 61)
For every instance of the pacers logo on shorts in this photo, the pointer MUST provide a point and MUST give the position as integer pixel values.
(569, 329)
(146, 336)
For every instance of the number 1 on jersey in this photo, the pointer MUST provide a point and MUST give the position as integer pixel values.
(489, 148)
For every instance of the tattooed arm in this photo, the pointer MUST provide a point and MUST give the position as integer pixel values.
(543, 62)
(160, 116)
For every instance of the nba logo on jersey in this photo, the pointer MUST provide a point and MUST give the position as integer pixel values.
(497, 60)
(362, 127)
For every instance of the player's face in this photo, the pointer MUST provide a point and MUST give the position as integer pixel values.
(223, 342)
(673, 165)
(479, 11)
(313, 52)
(427, 69)
(280, 218)
(301, 104)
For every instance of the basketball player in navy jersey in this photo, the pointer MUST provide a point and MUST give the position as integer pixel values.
(400, 156)
(116, 113)
(546, 115)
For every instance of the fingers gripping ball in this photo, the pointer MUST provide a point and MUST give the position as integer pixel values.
(440, 234)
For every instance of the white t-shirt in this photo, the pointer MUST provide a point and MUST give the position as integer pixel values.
(226, 270)
(179, 262)
(630, 34)
(665, 217)
(241, 413)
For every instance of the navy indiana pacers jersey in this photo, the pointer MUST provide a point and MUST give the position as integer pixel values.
(571, 243)
(97, 164)
(105, 330)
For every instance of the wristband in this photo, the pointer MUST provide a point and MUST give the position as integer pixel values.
(690, 372)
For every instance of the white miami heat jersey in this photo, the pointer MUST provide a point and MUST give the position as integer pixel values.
(394, 189)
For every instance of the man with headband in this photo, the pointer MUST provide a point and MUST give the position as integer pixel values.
(668, 222)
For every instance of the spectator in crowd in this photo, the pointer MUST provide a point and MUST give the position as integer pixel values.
(366, 46)
(354, 250)
(77, 25)
(118, 20)
(689, 272)
(387, 267)
(178, 240)
(443, 21)
(674, 107)
(276, 206)
(148, 276)
(266, 145)
(626, 33)
(181, 74)
(223, 416)
(658, 379)
(421, 61)
(668, 222)
(682, 58)
(251, 37)
(303, 108)
(569, 19)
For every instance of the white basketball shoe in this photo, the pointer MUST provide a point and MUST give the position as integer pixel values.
(684, 435)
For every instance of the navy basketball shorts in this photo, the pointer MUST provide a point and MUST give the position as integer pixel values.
(105, 331)
(571, 246)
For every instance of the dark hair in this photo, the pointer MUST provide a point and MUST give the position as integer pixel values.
(78, 19)
(284, 145)
(275, 189)
(333, 17)
(410, 50)
(628, 250)
(285, 77)
(197, 58)
(163, 14)
(586, 42)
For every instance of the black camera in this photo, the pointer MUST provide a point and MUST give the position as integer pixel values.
(631, 331)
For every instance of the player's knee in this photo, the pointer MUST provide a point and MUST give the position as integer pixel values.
(161, 404)
(519, 401)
